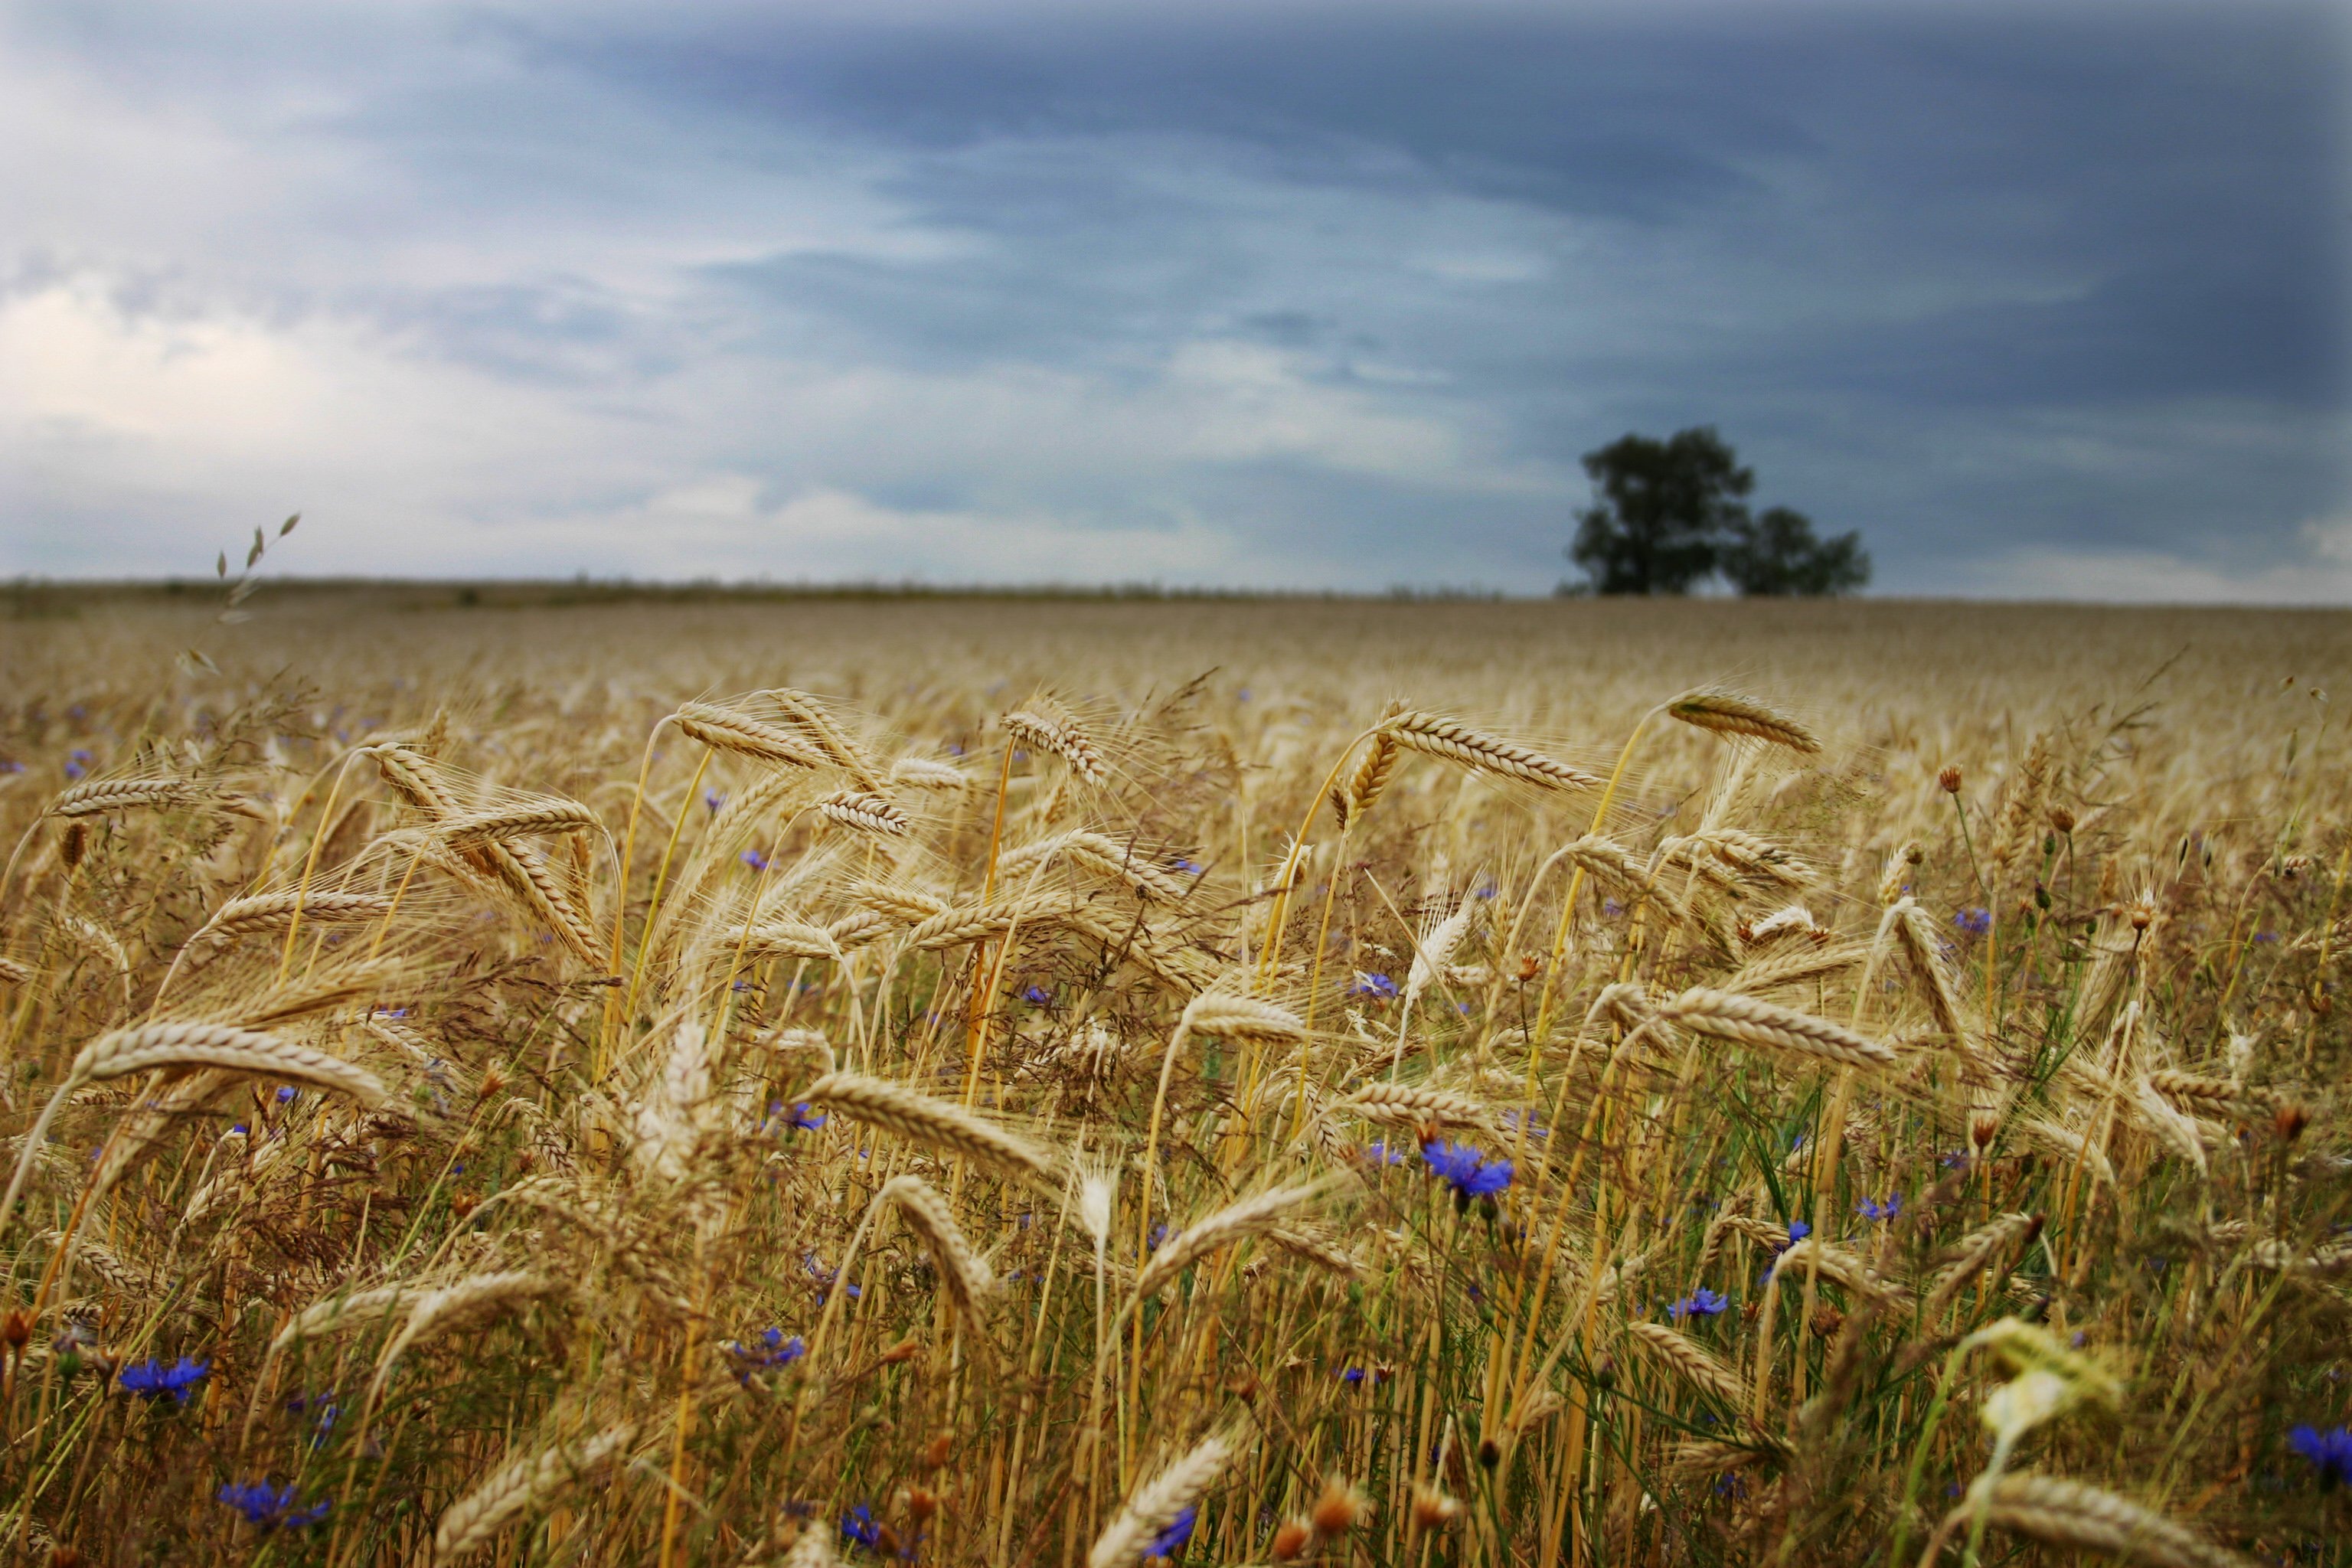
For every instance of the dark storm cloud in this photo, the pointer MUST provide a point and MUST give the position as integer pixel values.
(1351, 285)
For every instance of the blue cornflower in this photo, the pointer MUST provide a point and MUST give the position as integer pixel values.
(1700, 1303)
(1611, 908)
(1892, 1207)
(803, 1120)
(285, 1093)
(1038, 995)
(858, 1525)
(753, 858)
(825, 1275)
(12, 766)
(2330, 1453)
(1975, 921)
(1382, 1153)
(1798, 1230)
(269, 1507)
(1159, 1233)
(1351, 1374)
(1373, 985)
(1182, 864)
(713, 799)
(768, 1348)
(1170, 1541)
(152, 1380)
(1469, 1172)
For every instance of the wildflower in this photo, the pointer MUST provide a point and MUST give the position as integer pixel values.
(753, 858)
(820, 1273)
(270, 1508)
(1170, 1541)
(1470, 1174)
(1379, 1153)
(1351, 1375)
(1975, 919)
(858, 1525)
(1892, 1207)
(1611, 908)
(1182, 864)
(1038, 995)
(285, 1093)
(1700, 1303)
(1373, 985)
(713, 799)
(1159, 1233)
(1798, 1231)
(152, 1380)
(802, 1119)
(768, 1348)
(2330, 1453)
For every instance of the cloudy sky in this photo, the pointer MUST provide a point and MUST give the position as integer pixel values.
(2045, 300)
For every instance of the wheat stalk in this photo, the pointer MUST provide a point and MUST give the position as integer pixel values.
(1973, 1252)
(919, 1116)
(2068, 1514)
(1045, 726)
(1728, 713)
(963, 1272)
(542, 814)
(101, 795)
(865, 812)
(1236, 1017)
(1412, 1104)
(1690, 1361)
(1236, 1222)
(471, 1298)
(723, 729)
(1155, 1505)
(1458, 742)
(515, 1488)
(1753, 1022)
(276, 911)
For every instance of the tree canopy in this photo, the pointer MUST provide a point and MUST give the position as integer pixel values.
(1667, 515)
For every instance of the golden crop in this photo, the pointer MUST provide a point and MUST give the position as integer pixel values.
(575, 1077)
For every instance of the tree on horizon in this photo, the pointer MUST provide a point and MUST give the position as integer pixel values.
(1668, 514)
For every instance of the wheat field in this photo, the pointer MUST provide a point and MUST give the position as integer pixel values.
(532, 1075)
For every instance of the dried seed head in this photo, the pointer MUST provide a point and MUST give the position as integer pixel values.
(922, 1504)
(74, 844)
(904, 1351)
(2290, 1120)
(1432, 1508)
(936, 1451)
(1340, 1508)
(2061, 819)
(1290, 1541)
(1948, 781)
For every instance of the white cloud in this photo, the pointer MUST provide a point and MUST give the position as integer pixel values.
(2322, 575)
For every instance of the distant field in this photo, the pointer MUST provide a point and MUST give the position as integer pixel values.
(708, 1077)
